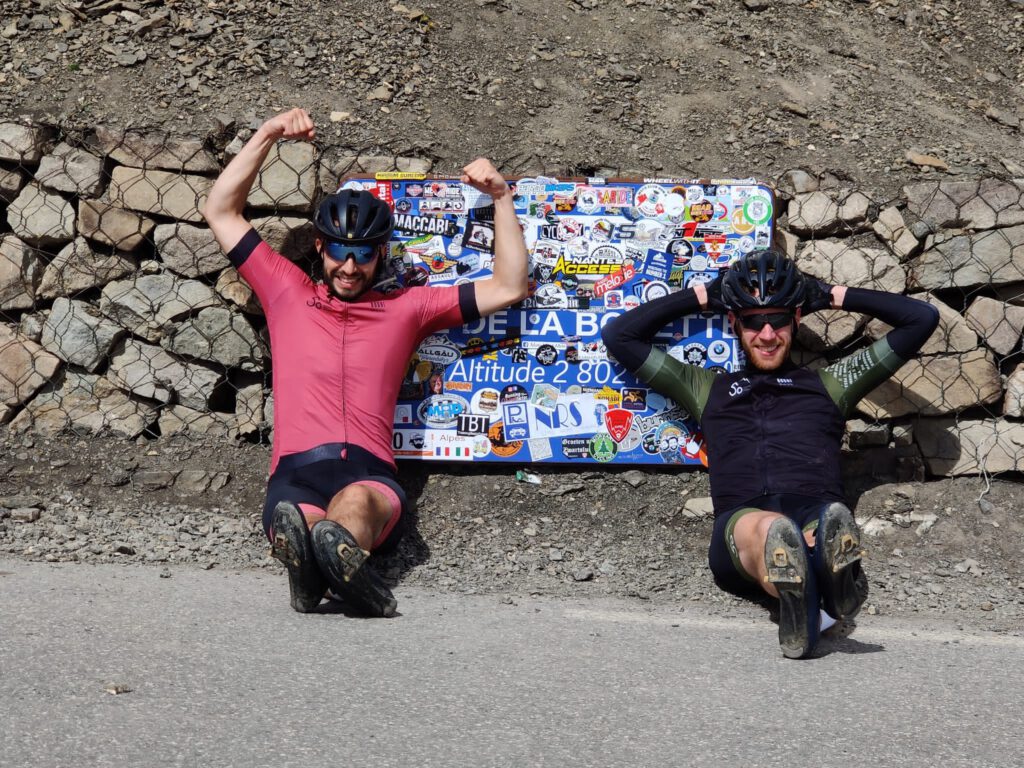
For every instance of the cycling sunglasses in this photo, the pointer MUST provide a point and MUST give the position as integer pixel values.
(756, 322)
(337, 250)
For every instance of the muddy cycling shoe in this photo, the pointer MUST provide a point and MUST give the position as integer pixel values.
(292, 546)
(836, 560)
(785, 556)
(343, 562)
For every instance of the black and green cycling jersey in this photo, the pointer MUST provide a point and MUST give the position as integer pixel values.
(778, 431)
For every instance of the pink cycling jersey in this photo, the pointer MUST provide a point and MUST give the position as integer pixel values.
(338, 364)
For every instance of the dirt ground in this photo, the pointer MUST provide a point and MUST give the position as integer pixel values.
(715, 88)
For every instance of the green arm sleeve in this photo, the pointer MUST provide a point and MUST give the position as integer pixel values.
(688, 385)
(850, 379)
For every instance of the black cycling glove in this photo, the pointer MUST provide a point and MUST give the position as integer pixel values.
(819, 295)
(715, 301)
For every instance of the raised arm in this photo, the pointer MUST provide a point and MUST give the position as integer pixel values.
(508, 283)
(224, 206)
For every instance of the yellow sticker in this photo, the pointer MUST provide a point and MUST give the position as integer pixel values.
(400, 176)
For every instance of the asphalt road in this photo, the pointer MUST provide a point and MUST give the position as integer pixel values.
(218, 671)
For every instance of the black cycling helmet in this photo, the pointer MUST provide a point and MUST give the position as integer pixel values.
(354, 217)
(763, 278)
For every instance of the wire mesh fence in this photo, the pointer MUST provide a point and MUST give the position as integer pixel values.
(119, 314)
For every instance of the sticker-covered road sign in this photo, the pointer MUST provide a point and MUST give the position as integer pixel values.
(534, 383)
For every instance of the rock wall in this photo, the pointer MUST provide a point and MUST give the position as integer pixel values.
(119, 314)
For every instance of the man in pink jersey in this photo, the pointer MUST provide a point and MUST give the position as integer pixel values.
(340, 349)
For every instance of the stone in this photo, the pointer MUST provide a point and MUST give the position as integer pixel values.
(698, 507)
(73, 170)
(20, 272)
(925, 161)
(84, 404)
(147, 304)
(828, 328)
(936, 385)
(952, 334)
(974, 204)
(155, 150)
(31, 326)
(953, 447)
(854, 208)
(999, 324)
(966, 261)
(219, 335)
(1013, 402)
(180, 420)
(41, 218)
(889, 223)
(11, 182)
(195, 482)
(418, 165)
(290, 236)
(797, 181)
(863, 434)
(892, 229)
(153, 479)
(231, 287)
(151, 372)
(25, 367)
(188, 250)
(112, 225)
(175, 195)
(813, 213)
(79, 268)
(787, 241)
(287, 180)
(77, 333)
(23, 144)
(838, 263)
(249, 409)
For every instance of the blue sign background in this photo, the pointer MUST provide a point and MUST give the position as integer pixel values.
(534, 383)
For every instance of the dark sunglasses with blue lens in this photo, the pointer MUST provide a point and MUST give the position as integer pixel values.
(339, 251)
(756, 322)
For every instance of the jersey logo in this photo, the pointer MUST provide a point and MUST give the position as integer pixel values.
(784, 382)
(377, 306)
(739, 387)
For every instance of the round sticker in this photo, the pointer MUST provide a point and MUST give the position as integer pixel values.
(496, 436)
(513, 393)
(602, 448)
(694, 194)
(481, 446)
(681, 251)
(702, 211)
(454, 249)
(674, 205)
(649, 199)
(745, 244)
(719, 351)
(655, 290)
(631, 441)
(546, 354)
(587, 202)
(740, 225)
(699, 263)
(694, 354)
(757, 210)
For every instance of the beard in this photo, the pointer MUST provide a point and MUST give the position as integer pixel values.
(753, 361)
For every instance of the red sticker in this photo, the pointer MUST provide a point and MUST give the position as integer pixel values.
(618, 421)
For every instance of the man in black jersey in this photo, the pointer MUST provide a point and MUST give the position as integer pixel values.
(773, 431)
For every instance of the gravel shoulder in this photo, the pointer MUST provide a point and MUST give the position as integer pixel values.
(945, 549)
